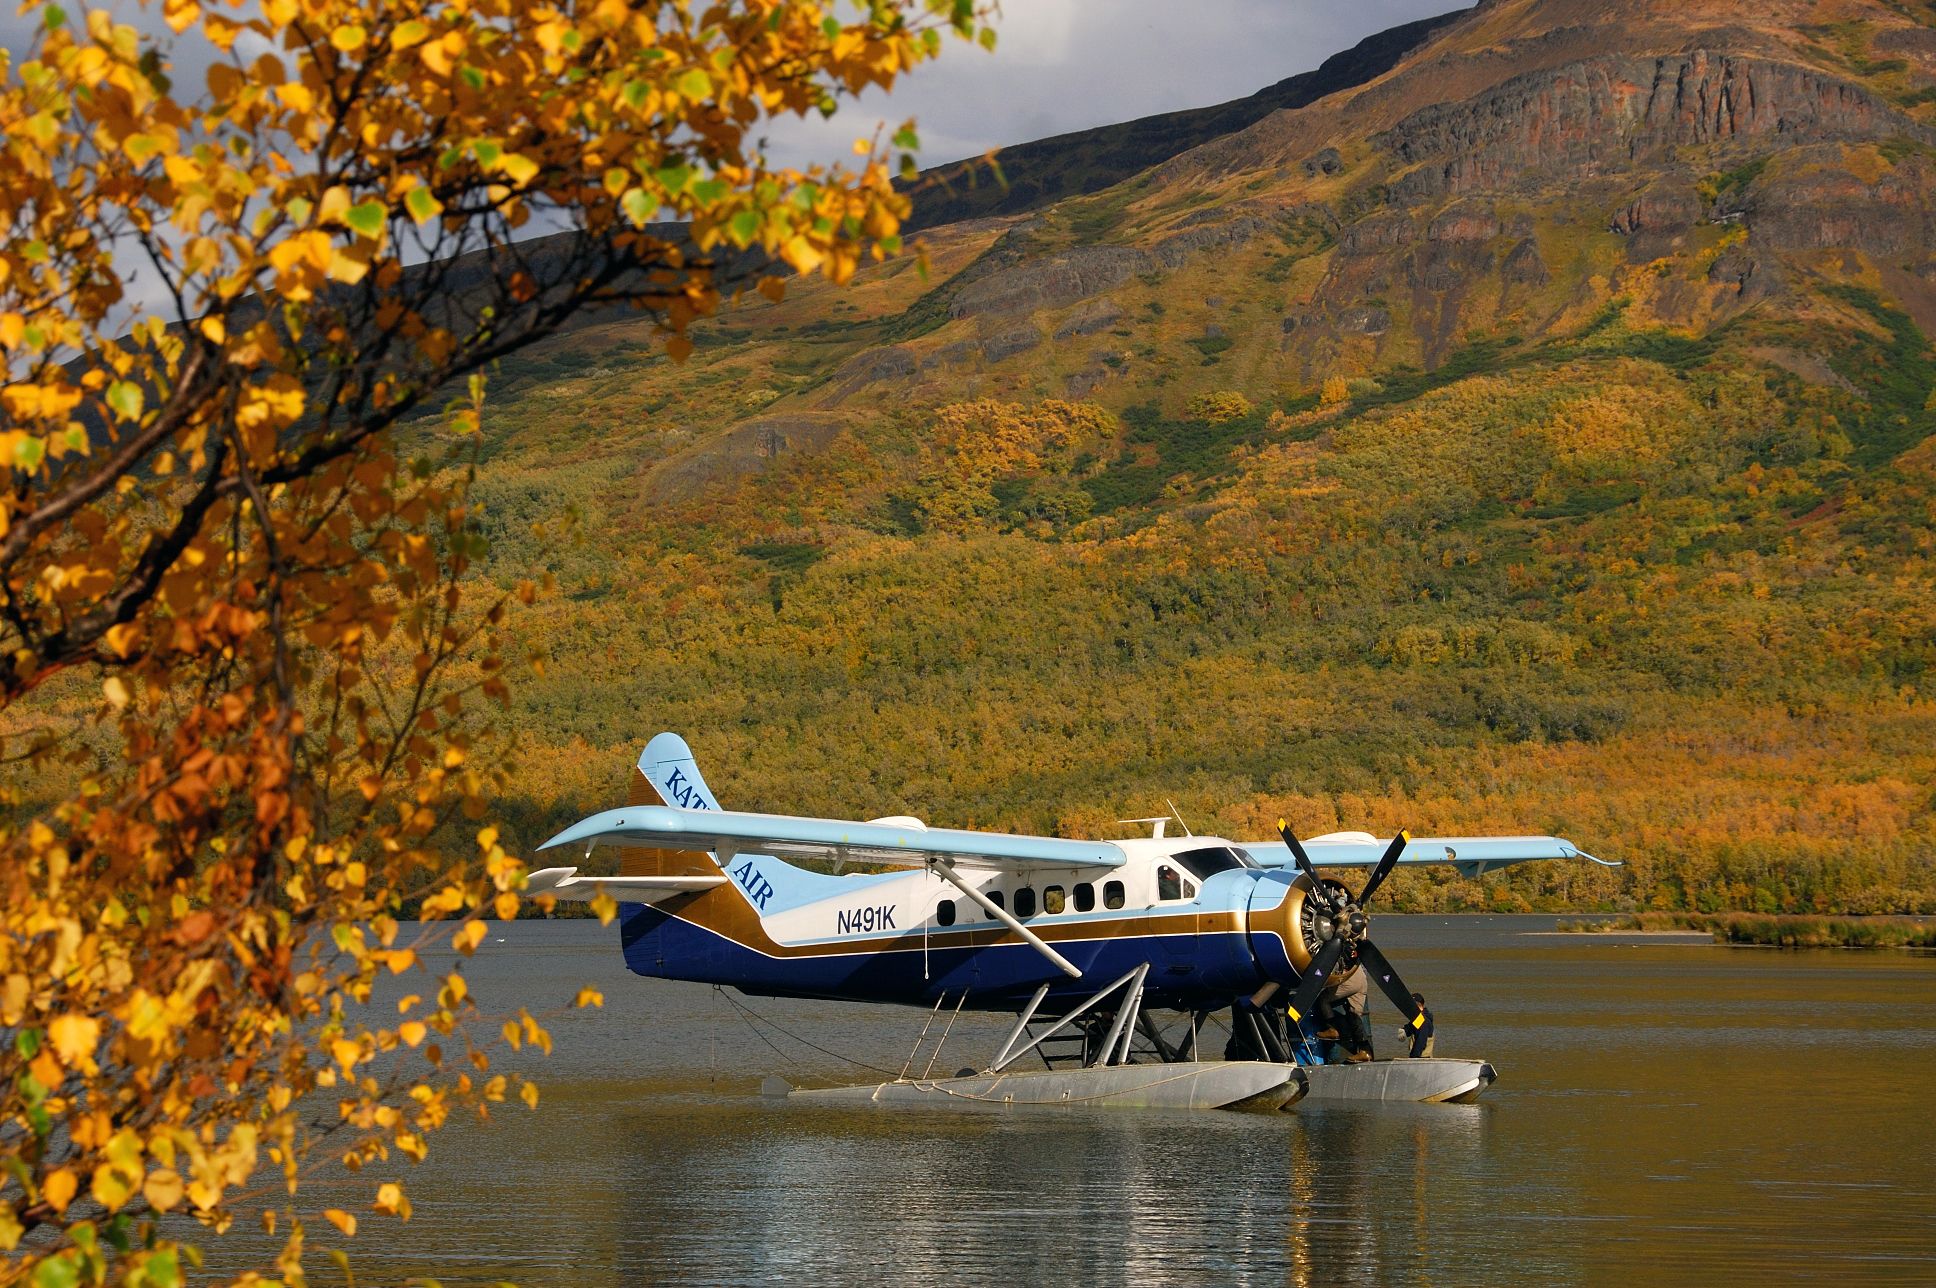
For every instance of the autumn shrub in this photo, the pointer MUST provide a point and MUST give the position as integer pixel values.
(254, 682)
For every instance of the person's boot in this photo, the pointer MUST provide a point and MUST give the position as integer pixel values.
(1360, 1056)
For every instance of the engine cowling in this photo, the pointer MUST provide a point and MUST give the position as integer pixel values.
(1287, 927)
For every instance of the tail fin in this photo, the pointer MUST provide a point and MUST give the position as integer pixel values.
(668, 776)
(669, 772)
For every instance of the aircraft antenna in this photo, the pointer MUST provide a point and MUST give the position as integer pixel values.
(1178, 817)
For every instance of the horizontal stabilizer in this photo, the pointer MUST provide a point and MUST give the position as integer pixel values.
(725, 832)
(565, 883)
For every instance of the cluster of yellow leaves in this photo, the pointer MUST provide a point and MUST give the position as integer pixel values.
(1220, 406)
(987, 441)
(213, 549)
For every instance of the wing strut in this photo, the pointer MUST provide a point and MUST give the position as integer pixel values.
(1001, 914)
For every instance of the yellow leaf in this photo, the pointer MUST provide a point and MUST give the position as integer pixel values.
(468, 937)
(213, 328)
(341, 1220)
(411, 1031)
(163, 1189)
(347, 1053)
(505, 906)
(589, 996)
(59, 1189)
(112, 1187)
(74, 1038)
(519, 169)
(116, 690)
(529, 1094)
(390, 1198)
(349, 37)
(605, 907)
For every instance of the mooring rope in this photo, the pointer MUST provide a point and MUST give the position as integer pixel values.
(754, 1019)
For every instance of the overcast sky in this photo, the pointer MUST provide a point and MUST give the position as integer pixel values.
(1059, 65)
(1063, 65)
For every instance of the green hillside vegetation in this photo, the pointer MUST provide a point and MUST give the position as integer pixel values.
(1626, 585)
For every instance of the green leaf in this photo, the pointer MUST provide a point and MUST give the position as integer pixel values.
(906, 139)
(472, 76)
(635, 92)
(711, 191)
(27, 1042)
(694, 83)
(163, 1269)
(126, 398)
(638, 207)
(28, 452)
(486, 151)
(299, 208)
(63, 1271)
(744, 227)
(54, 17)
(422, 206)
(367, 217)
(674, 177)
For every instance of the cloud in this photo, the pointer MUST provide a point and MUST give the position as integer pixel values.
(1063, 65)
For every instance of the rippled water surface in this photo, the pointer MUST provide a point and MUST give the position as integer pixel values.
(1664, 1112)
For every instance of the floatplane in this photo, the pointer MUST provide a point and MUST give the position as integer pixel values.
(1112, 955)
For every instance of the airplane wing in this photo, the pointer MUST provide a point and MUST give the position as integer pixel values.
(565, 883)
(1471, 855)
(902, 843)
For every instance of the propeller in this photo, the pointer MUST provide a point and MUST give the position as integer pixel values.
(1312, 984)
(1385, 865)
(1348, 942)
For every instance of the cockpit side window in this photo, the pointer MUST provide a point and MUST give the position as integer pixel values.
(1168, 884)
(1209, 860)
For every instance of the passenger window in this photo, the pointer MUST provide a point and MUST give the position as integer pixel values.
(944, 913)
(1168, 884)
(1052, 900)
(1085, 897)
(1112, 894)
(1025, 902)
(995, 897)
(1189, 890)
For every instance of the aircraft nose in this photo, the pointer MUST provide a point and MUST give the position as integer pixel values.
(1271, 927)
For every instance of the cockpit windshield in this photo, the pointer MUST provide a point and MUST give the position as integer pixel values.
(1211, 859)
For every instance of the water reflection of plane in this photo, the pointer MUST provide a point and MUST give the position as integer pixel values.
(1361, 1200)
(817, 1196)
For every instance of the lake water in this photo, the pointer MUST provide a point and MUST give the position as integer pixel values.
(1665, 1111)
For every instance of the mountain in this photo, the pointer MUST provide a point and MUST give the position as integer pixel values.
(1532, 435)
(1041, 172)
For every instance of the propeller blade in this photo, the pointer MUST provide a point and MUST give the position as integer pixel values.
(1304, 863)
(1381, 970)
(1312, 984)
(1385, 865)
